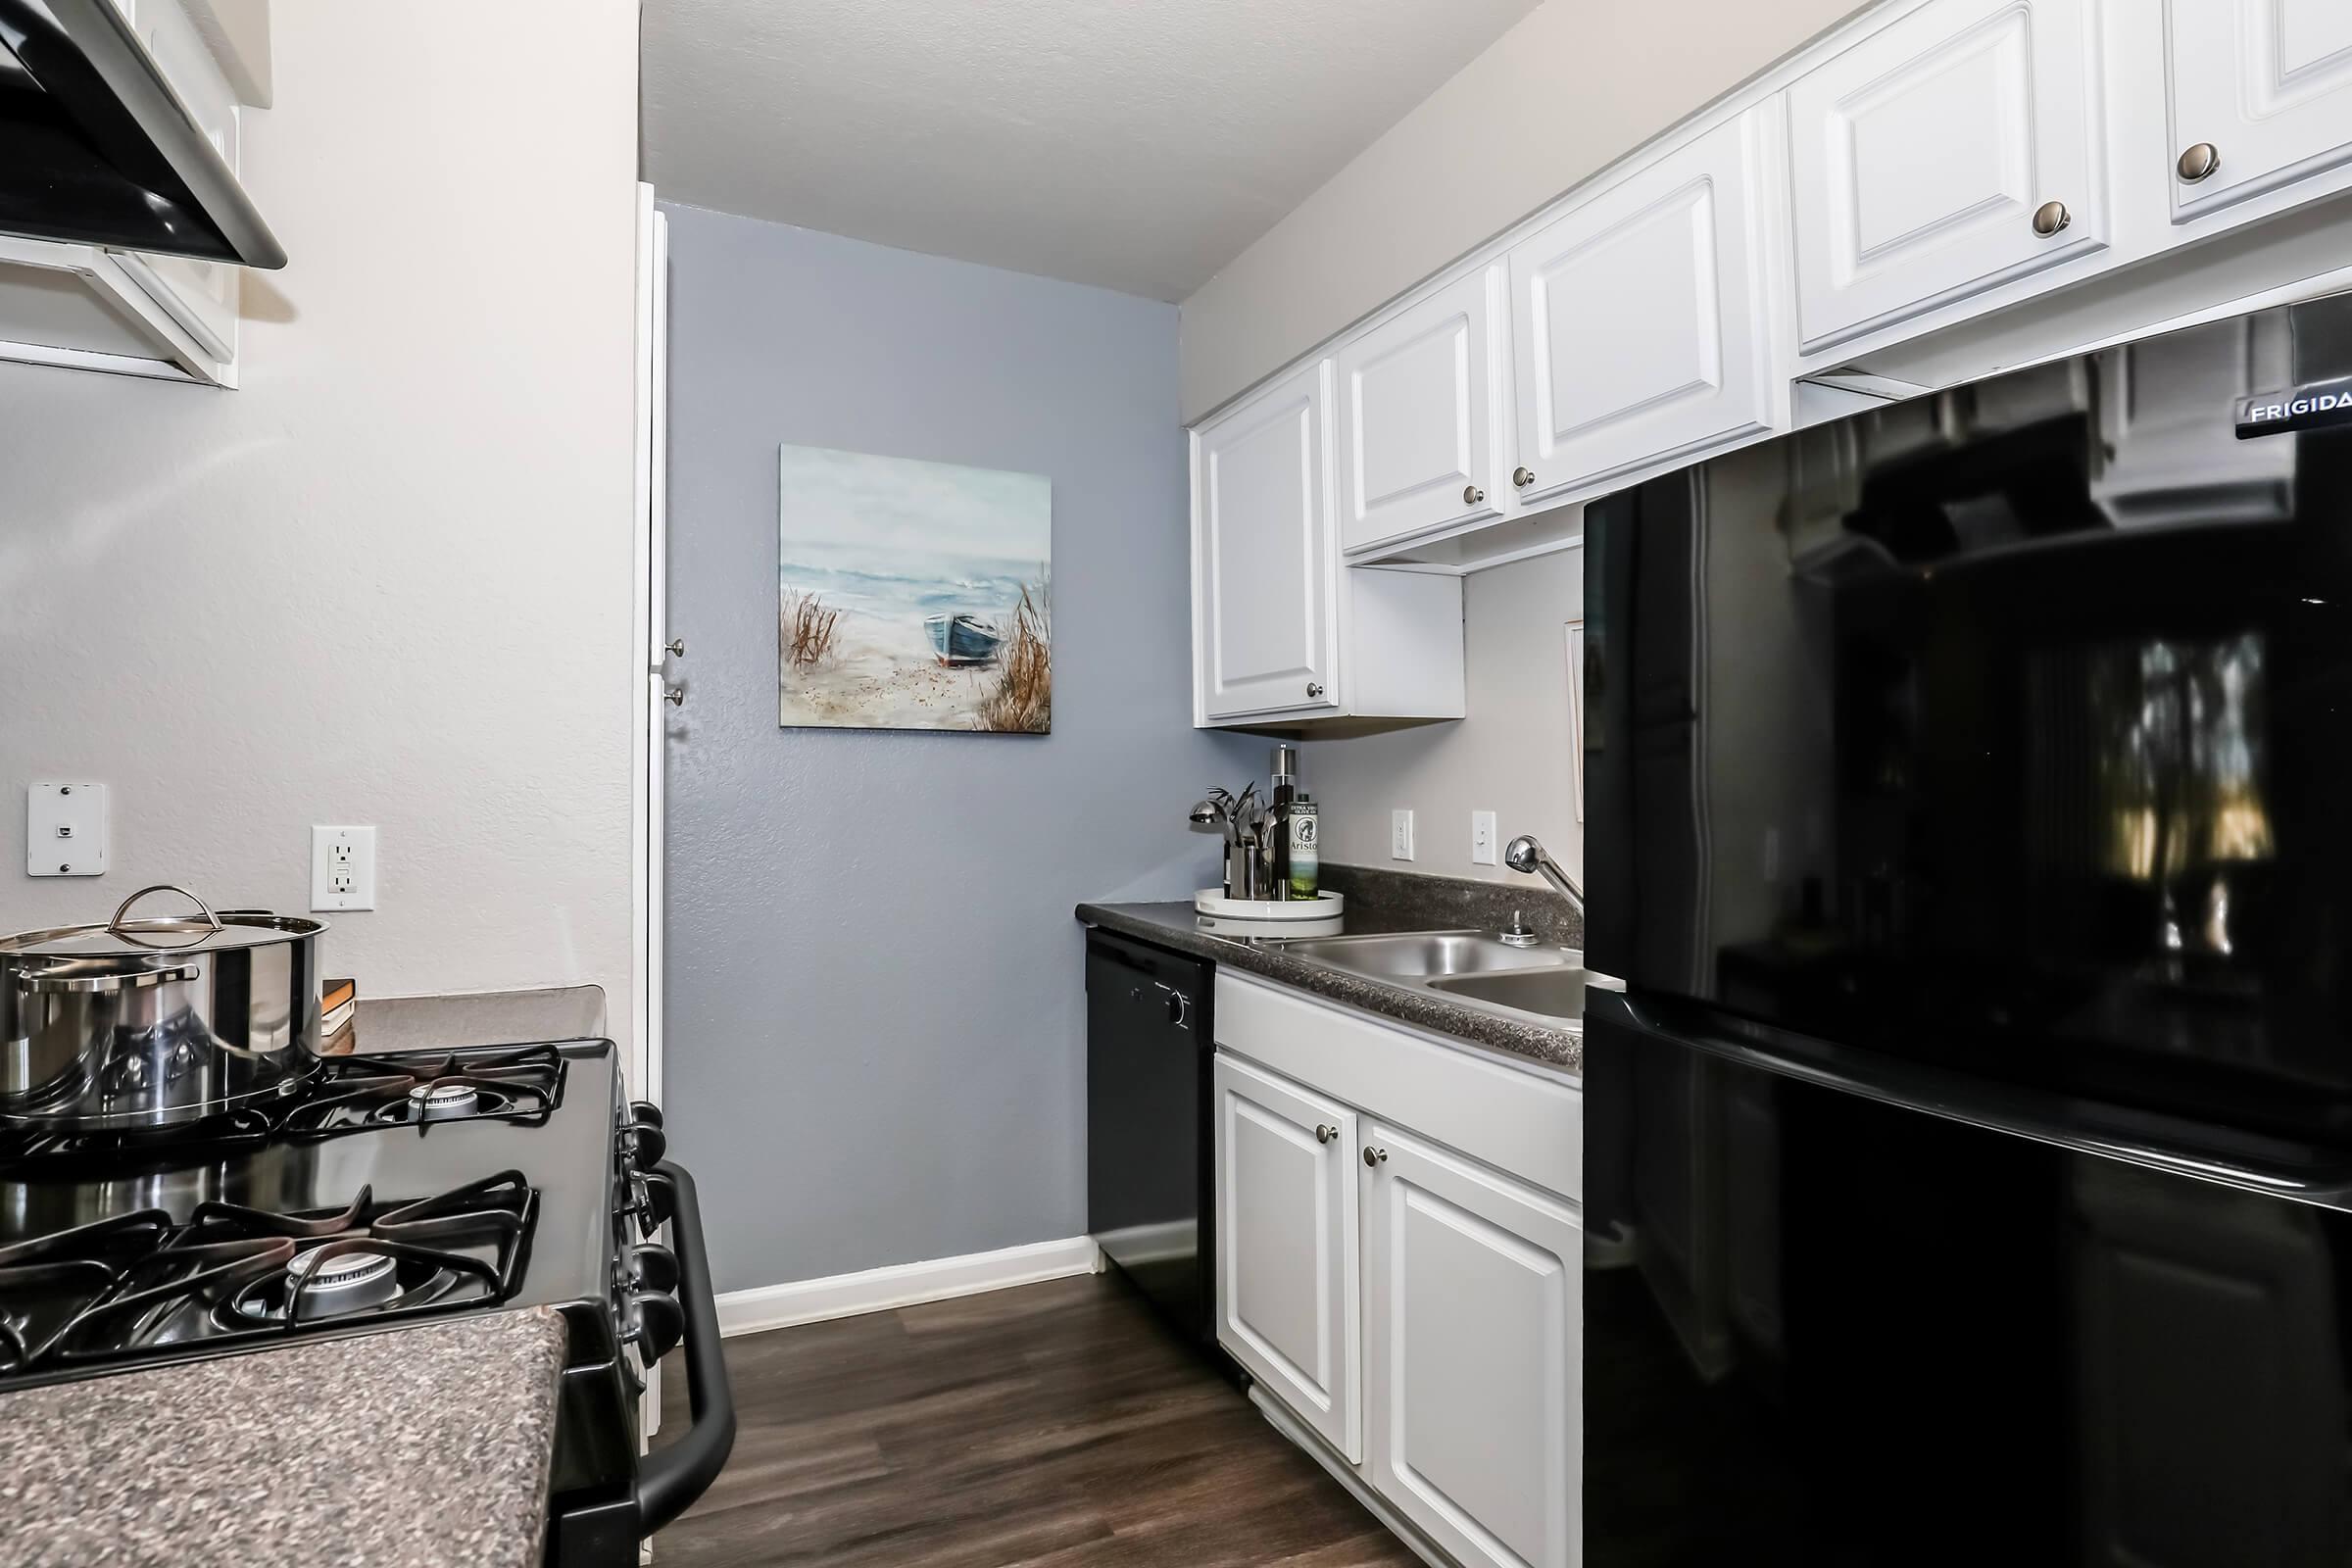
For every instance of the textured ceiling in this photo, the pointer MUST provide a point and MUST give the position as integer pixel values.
(1135, 144)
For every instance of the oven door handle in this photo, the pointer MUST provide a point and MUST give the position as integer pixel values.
(671, 1477)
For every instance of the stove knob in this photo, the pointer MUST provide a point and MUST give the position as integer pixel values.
(654, 1323)
(650, 1201)
(645, 1110)
(653, 1267)
(643, 1142)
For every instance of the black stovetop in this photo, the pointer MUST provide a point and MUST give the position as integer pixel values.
(384, 1189)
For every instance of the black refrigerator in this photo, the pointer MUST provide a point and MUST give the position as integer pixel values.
(1969, 1150)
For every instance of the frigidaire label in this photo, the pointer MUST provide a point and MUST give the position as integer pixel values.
(2306, 408)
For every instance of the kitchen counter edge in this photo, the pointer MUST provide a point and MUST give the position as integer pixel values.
(1173, 925)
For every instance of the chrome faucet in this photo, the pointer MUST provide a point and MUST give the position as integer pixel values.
(1528, 857)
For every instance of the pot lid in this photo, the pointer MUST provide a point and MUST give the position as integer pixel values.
(165, 936)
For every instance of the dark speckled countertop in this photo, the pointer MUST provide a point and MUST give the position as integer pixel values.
(414, 1448)
(1377, 902)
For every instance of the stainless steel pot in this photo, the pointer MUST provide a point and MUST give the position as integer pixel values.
(149, 1022)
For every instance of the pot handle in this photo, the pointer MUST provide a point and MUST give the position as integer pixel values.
(63, 978)
(113, 927)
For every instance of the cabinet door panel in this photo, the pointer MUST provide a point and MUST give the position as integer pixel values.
(1287, 1281)
(1921, 154)
(1263, 624)
(1473, 1354)
(1416, 418)
(1637, 319)
(2269, 83)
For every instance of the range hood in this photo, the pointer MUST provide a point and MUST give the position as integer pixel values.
(99, 150)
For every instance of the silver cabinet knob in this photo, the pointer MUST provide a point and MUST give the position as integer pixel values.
(2199, 163)
(1523, 477)
(1472, 495)
(1376, 1156)
(1324, 1135)
(1314, 688)
(2051, 217)
(676, 647)
(674, 696)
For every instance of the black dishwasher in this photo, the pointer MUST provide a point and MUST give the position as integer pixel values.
(1148, 1050)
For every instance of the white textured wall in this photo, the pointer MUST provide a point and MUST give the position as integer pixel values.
(389, 580)
(1511, 756)
(1574, 86)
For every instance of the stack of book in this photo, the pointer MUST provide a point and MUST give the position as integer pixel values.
(337, 1001)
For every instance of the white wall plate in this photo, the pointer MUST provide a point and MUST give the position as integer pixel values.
(65, 830)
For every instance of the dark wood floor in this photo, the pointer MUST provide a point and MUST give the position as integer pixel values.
(1054, 1425)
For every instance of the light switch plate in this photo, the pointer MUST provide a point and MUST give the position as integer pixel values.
(1400, 834)
(342, 868)
(1482, 838)
(65, 830)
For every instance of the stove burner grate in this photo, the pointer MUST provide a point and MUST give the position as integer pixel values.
(140, 1282)
(520, 1085)
(517, 1085)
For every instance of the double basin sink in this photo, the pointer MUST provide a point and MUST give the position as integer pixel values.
(1479, 967)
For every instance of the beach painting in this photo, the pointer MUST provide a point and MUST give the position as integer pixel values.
(913, 595)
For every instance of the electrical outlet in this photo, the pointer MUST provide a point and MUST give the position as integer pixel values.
(65, 830)
(342, 868)
(1482, 838)
(1400, 835)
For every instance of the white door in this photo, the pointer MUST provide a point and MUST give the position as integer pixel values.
(653, 674)
(1639, 318)
(650, 755)
(2267, 85)
(1473, 1353)
(1287, 1275)
(1924, 158)
(1416, 418)
(1263, 631)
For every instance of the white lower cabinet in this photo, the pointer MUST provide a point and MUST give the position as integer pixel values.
(1408, 1294)
(1288, 1298)
(1473, 1354)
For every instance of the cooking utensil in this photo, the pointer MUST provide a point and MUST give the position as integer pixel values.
(158, 1020)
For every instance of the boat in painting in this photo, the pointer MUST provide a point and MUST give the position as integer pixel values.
(962, 639)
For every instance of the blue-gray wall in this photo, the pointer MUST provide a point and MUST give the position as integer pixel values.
(875, 1032)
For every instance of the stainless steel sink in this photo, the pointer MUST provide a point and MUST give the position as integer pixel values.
(1421, 954)
(1554, 993)
(1477, 967)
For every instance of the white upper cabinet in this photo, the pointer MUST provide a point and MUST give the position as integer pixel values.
(1287, 1262)
(2261, 96)
(1264, 631)
(1948, 152)
(1640, 322)
(1473, 1354)
(1931, 191)
(1417, 416)
(1283, 634)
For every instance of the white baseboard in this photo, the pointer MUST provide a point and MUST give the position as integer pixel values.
(878, 1289)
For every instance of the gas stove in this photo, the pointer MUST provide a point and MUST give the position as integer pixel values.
(377, 1191)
